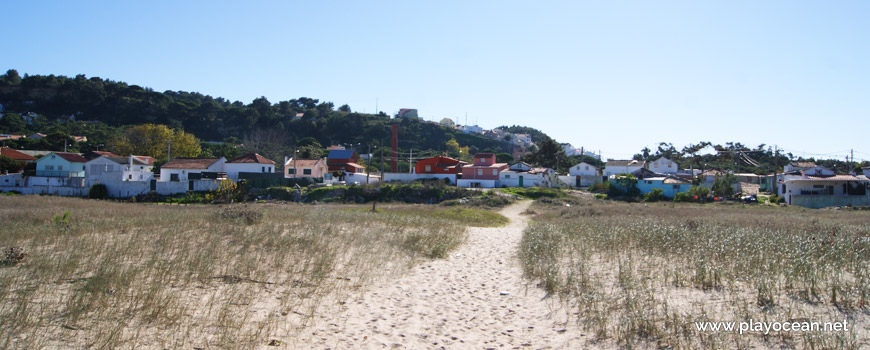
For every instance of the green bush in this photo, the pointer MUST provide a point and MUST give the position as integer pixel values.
(98, 191)
(600, 187)
(682, 197)
(601, 195)
(775, 199)
(654, 196)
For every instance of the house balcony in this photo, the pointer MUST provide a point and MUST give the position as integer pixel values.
(53, 173)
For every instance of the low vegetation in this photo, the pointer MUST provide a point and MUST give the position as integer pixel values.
(81, 273)
(534, 192)
(640, 275)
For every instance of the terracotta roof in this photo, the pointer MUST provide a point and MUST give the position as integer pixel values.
(251, 158)
(303, 162)
(97, 154)
(11, 153)
(11, 137)
(71, 157)
(145, 159)
(190, 163)
(355, 165)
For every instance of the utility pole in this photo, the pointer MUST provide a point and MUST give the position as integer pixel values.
(775, 184)
(852, 152)
(410, 165)
(295, 155)
(382, 161)
(369, 163)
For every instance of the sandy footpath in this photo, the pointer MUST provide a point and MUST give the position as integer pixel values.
(475, 299)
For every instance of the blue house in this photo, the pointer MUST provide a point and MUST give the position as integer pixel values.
(61, 164)
(670, 185)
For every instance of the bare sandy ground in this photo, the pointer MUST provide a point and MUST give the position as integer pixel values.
(475, 299)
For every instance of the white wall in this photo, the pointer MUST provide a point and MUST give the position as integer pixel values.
(481, 183)
(585, 181)
(407, 178)
(614, 170)
(663, 166)
(233, 169)
(361, 178)
(582, 169)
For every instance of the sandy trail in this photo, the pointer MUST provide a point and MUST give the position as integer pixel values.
(475, 299)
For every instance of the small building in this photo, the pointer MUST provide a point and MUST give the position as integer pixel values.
(344, 161)
(664, 166)
(470, 129)
(311, 168)
(249, 163)
(185, 169)
(439, 165)
(407, 113)
(112, 168)
(523, 175)
(448, 122)
(670, 185)
(484, 172)
(61, 164)
(583, 169)
(614, 167)
(820, 191)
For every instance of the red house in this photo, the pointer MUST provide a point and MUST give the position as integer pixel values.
(344, 160)
(21, 157)
(484, 168)
(439, 165)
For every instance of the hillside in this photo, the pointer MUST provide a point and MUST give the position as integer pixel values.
(279, 125)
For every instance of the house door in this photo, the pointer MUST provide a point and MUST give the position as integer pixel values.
(830, 190)
(577, 181)
(190, 185)
(521, 181)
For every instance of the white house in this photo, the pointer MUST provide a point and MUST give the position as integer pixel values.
(470, 129)
(664, 166)
(184, 169)
(523, 175)
(819, 191)
(248, 163)
(614, 167)
(583, 169)
(129, 168)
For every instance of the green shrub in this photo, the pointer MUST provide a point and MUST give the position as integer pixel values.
(601, 195)
(775, 199)
(699, 191)
(600, 187)
(654, 196)
(682, 197)
(534, 192)
(98, 191)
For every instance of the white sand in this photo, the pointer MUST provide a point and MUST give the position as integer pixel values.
(475, 299)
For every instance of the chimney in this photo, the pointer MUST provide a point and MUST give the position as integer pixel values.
(394, 157)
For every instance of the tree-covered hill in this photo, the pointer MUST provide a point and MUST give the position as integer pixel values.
(260, 123)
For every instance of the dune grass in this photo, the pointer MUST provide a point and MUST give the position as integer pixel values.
(124, 274)
(640, 275)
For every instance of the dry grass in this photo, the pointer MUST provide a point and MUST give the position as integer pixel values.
(124, 275)
(640, 275)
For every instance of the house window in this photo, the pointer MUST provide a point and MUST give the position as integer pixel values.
(495, 172)
(587, 167)
(173, 177)
(428, 168)
(60, 167)
(263, 169)
(507, 176)
(49, 167)
(306, 171)
(479, 171)
(291, 171)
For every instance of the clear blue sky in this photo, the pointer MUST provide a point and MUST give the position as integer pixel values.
(608, 75)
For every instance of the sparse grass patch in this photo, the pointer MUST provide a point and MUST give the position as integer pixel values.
(640, 275)
(534, 192)
(161, 276)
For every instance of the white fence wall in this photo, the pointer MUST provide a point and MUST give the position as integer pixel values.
(480, 183)
(585, 180)
(408, 178)
(361, 178)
